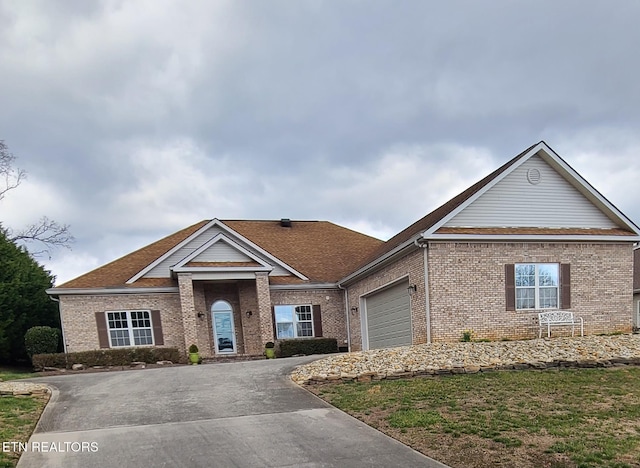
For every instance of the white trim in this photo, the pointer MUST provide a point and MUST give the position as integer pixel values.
(531, 237)
(575, 179)
(108, 291)
(536, 287)
(294, 322)
(234, 350)
(223, 275)
(261, 251)
(364, 329)
(427, 306)
(378, 261)
(158, 260)
(296, 287)
(229, 231)
(129, 328)
(225, 269)
(220, 237)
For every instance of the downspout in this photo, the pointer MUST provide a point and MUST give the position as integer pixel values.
(425, 247)
(346, 311)
(64, 340)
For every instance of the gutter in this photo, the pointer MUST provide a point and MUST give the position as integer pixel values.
(346, 313)
(425, 246)
(529, 237)
(64, 340)
(107, 291)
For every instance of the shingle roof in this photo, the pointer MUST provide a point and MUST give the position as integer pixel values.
(436, 215)
(320, 250)
(116, 273)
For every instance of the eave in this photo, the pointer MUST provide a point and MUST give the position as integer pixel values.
(527, 238)
(108, 291)
(381, 261)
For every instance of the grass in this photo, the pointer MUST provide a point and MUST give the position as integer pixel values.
(15, 373)
(561, 418)
(18, 415)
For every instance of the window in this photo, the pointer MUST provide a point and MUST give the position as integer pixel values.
(294, 321)
(537, 285)
(130, 328)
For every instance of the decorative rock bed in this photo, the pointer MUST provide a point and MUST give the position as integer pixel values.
(468, 358)
(18, 388)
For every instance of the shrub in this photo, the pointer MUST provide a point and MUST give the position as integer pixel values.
(288, 348)
(270, 344)
(106, 357)
(41, 340)
(466, 336)
(193, 349)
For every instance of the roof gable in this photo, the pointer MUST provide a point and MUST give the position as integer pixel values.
(307, 251)
(202, 243)
(433, 225)
(533, 194)
(220, 249)
(593, 209)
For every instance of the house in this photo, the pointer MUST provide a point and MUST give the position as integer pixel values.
(532, 235)
(636, 288)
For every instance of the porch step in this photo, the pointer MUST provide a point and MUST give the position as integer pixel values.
(234, 358)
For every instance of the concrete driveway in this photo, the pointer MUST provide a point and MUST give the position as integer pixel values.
(242, 414)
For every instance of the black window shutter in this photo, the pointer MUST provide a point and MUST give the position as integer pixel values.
(158, 338)
(103, 334)
(565, 285)
(510, 286)
(317, 321)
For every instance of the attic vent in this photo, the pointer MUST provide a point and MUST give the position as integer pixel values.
(285, 222)
(534, 176)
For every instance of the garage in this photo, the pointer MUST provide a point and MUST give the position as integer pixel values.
(388, 317)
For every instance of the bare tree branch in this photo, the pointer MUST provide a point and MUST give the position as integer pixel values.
(46, 232)
(10, 176)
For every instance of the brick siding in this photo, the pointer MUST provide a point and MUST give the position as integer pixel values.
(411, 265)
(467, 286)
(79, 321)
(331, 302)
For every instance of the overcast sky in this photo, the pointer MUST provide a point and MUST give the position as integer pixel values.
(137, 118)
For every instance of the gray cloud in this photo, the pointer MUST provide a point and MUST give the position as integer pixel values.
(135, 119)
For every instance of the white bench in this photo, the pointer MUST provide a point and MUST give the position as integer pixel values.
(559, 317)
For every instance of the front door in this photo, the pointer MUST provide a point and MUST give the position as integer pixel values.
(223, 331)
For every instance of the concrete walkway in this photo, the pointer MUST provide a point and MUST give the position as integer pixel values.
(244, 414)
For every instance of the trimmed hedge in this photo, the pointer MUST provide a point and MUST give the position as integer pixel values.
(287, 348)
(41, 340)
(106, 357)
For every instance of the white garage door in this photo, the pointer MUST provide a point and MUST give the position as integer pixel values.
(389, 317)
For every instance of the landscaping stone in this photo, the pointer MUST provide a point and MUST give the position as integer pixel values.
(448, 358)
(77, 367)
(19, 388)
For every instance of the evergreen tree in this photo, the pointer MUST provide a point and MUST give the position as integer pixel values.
(23, 301)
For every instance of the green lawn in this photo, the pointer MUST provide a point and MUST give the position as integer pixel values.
(559, 418)
(18, 415)
(14, 373)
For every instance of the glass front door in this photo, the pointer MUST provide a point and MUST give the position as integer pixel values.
(223, 331)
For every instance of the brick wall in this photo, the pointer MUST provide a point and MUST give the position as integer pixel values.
(467, 287)
(411, 265)
(79, 321)
(331, 302)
